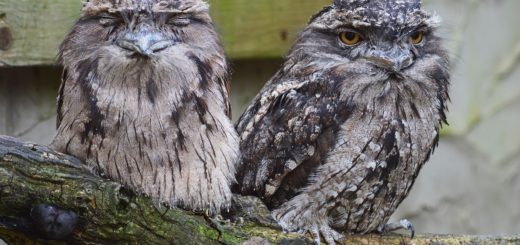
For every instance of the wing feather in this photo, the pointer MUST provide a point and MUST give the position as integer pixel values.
(285, 134)
(64, 77)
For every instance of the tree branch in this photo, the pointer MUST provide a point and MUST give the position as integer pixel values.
(31, 174)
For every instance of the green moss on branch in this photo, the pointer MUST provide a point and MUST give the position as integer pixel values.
(109, 214)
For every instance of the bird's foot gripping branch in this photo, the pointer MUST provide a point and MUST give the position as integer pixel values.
(36, 182)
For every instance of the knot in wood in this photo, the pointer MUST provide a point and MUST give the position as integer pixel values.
(6, 37)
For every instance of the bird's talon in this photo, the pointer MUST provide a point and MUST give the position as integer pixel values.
(315, 233)
(330, 235)
(402, 224)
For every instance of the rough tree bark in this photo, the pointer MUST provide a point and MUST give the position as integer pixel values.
(31, 174)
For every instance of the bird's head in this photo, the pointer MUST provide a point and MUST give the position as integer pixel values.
(147, 32)
(146, 28)
(130, 43)
(387, 34)
(367, 43)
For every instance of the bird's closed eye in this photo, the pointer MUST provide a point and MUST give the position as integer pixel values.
(109, 19)
(179, 20)
(350, 38)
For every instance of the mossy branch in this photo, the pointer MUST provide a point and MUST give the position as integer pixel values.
(31, 174)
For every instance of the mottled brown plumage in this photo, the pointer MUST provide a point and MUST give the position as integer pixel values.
(335, 140)
(144, 100)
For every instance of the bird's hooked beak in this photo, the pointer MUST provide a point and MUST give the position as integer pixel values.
(394, 59)
(145, 44)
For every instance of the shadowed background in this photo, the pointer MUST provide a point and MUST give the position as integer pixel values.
(470, 186)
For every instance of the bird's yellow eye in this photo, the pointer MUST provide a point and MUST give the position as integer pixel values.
(417, 37)
(350, 38)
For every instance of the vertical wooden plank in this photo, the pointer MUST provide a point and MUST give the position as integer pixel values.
(262, 29)
(37, 28)
(28, 102)
(3, 103)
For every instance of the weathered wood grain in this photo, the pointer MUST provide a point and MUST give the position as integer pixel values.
(37, 28)
(250, 29)
(262, 29)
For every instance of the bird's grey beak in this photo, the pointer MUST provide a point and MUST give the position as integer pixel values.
(144, 44)
(394, 60)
